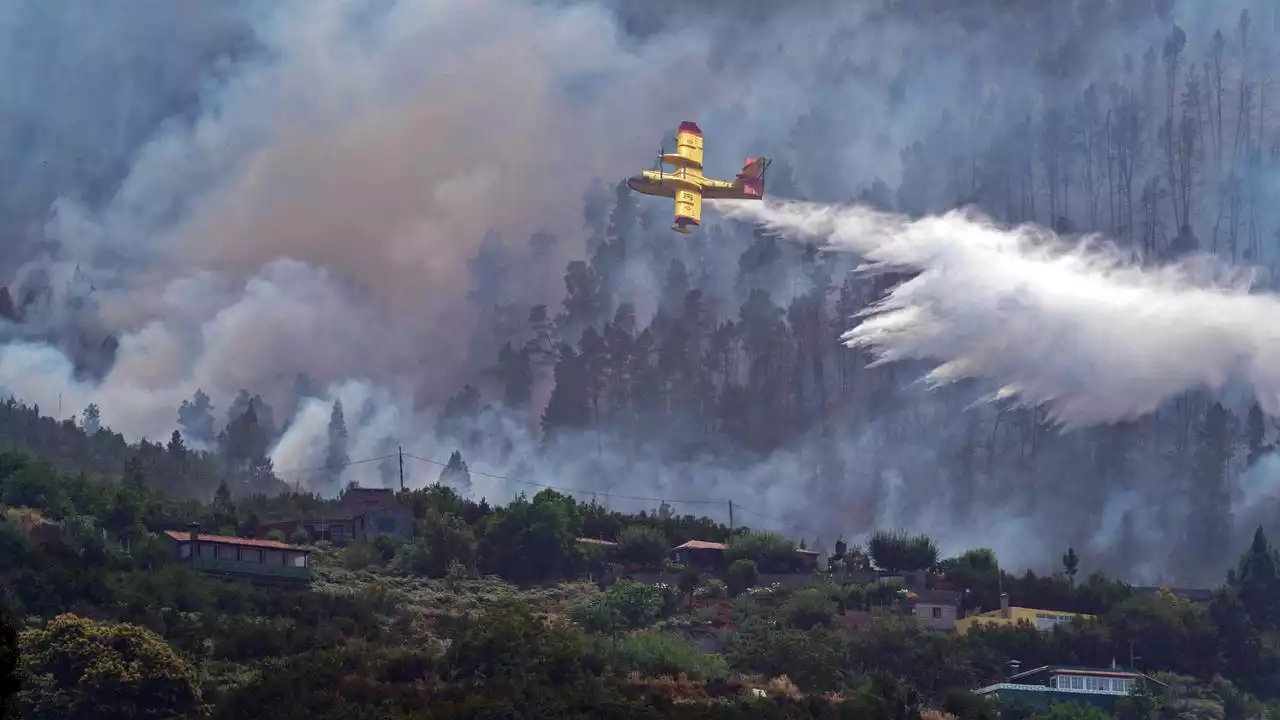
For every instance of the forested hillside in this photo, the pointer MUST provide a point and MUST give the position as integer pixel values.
(1165, 141)
(481, 614)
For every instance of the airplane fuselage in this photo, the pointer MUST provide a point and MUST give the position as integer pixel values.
(687, 186)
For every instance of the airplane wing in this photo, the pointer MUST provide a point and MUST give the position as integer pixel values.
(688, 210)
(688, 147)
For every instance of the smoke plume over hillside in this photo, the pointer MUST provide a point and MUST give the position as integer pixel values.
(378, 202)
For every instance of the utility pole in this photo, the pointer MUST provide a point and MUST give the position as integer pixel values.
(400, 453)
(730, 517)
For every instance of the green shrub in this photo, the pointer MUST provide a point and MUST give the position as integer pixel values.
(661, 653)
(809, 608)
(446, 538)
(712, 589)
(813, 660)
(277, 535)
(898, 551)
(358, 556)
(742, 574)
(642, 545)
(770, 551)
(626, 605)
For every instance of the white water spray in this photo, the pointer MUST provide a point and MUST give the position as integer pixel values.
(1077, 327)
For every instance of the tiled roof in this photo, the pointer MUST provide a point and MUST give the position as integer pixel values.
(243, 542)
(937, 597)
(1074, 670)
(701, 545)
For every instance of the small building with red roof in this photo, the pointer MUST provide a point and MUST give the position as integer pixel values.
(265, 560)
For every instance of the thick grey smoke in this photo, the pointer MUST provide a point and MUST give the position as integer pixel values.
(1074, 326)
(315, 215)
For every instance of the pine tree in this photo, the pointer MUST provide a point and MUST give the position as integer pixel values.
(1071, 564)
(570, 404)
(1256, 433)
(7, 310)
(195, 418)
(1211, 520)
(91, 419)
(594, 354)
(304, 387)
(10, 678)
(457, 418)
(336, 458)
(238, 405)
(455, 473)
(674, 290)
(176, 460)
(488, 270)
(515, 373)
(582, 300)
(1258, 583)
(243, 446)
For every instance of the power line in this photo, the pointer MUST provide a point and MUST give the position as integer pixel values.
(733, 505)
(774, 520)
(335, 466)
(530, 483)
(303, 471)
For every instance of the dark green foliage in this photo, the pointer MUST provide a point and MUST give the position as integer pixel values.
(353, 652)
(654, 654)
(897, 551)
(10, 681)
(445, 538)
(645, 546)
(78, 669)
(771, 551)
(811, 659)
(809, 608)
(625, 606)
(741, 575)
(533, 540)
(967, 706)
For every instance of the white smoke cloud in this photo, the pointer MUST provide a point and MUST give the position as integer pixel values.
(1079, 328)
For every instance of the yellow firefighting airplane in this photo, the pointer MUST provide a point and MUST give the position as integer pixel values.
(688, 186)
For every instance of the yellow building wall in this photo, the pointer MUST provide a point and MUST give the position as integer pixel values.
(996, 618)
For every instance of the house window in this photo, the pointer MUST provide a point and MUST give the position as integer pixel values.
(937, 613)
(297, 560)
(337, 533)
(386, 525)
(251, 555)
(1077, 682)
(274, 557)
(226, 552)
(184, 550)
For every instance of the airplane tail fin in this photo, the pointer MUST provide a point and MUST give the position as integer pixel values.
(752, 176)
